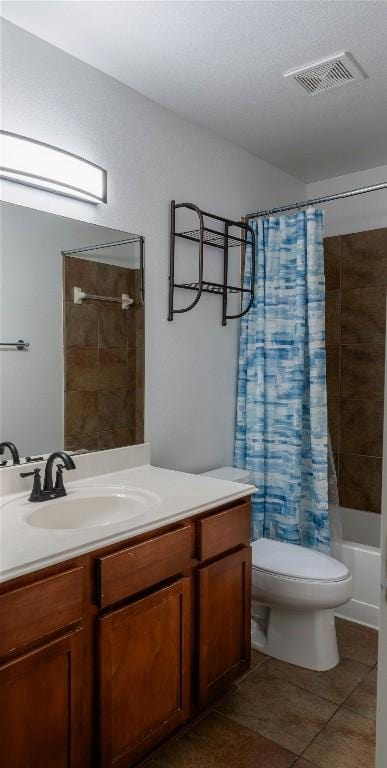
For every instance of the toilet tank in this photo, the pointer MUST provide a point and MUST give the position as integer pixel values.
(230, 473)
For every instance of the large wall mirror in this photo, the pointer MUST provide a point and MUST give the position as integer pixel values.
(73, 292)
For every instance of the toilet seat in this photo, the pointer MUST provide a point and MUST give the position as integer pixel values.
(298, 578)
(299, 594)
(291, 561)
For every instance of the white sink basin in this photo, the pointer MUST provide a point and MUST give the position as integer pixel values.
(89, 507)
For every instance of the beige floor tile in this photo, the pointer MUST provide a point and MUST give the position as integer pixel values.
(363, 698)
(348, 741)
(301, 763)
(217, 741)
(288, 715)
(186, 752)
(357, 642)
(335, 684)
(257, 658)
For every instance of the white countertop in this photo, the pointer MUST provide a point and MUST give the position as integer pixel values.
(25, 548)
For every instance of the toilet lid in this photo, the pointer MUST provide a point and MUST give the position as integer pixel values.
(281, 558)
(230, 473)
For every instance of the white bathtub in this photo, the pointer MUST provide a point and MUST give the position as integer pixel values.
(360, 551)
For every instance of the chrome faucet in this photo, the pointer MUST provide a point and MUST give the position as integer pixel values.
(13, 450)
(50, 491)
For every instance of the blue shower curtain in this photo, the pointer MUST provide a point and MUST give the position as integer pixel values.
(281, 427)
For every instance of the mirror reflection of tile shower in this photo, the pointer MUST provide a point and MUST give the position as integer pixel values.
(104, 348)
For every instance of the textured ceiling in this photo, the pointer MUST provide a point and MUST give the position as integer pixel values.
(221, 65)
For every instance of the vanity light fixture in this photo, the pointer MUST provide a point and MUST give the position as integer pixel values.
(35, 164)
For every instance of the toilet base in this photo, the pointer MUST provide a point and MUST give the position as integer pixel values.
(304, 638)
(258, 637)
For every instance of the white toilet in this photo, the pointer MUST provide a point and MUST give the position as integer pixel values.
(300, 587)
(295, 591)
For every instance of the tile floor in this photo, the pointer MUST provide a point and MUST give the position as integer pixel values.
(280, 716)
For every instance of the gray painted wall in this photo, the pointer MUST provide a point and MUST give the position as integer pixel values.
(151, 156)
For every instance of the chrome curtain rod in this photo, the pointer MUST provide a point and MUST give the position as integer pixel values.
(317, 200)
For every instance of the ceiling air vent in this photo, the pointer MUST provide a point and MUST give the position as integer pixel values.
(328, 73)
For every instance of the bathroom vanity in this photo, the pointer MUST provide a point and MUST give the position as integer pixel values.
(106, 652)
(125, 604)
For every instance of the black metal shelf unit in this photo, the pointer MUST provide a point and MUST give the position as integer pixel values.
(205, 235)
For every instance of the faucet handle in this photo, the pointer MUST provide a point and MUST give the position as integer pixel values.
(36, 493)
(59, 486)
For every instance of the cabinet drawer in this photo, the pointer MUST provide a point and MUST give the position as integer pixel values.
(224, 530)
(136, 568)
(30, 613)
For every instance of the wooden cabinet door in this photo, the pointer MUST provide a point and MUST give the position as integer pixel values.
(41, 707)
(144, 673)
(224, 622)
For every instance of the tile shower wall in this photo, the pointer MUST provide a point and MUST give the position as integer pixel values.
(356, 282)
(104, 358)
